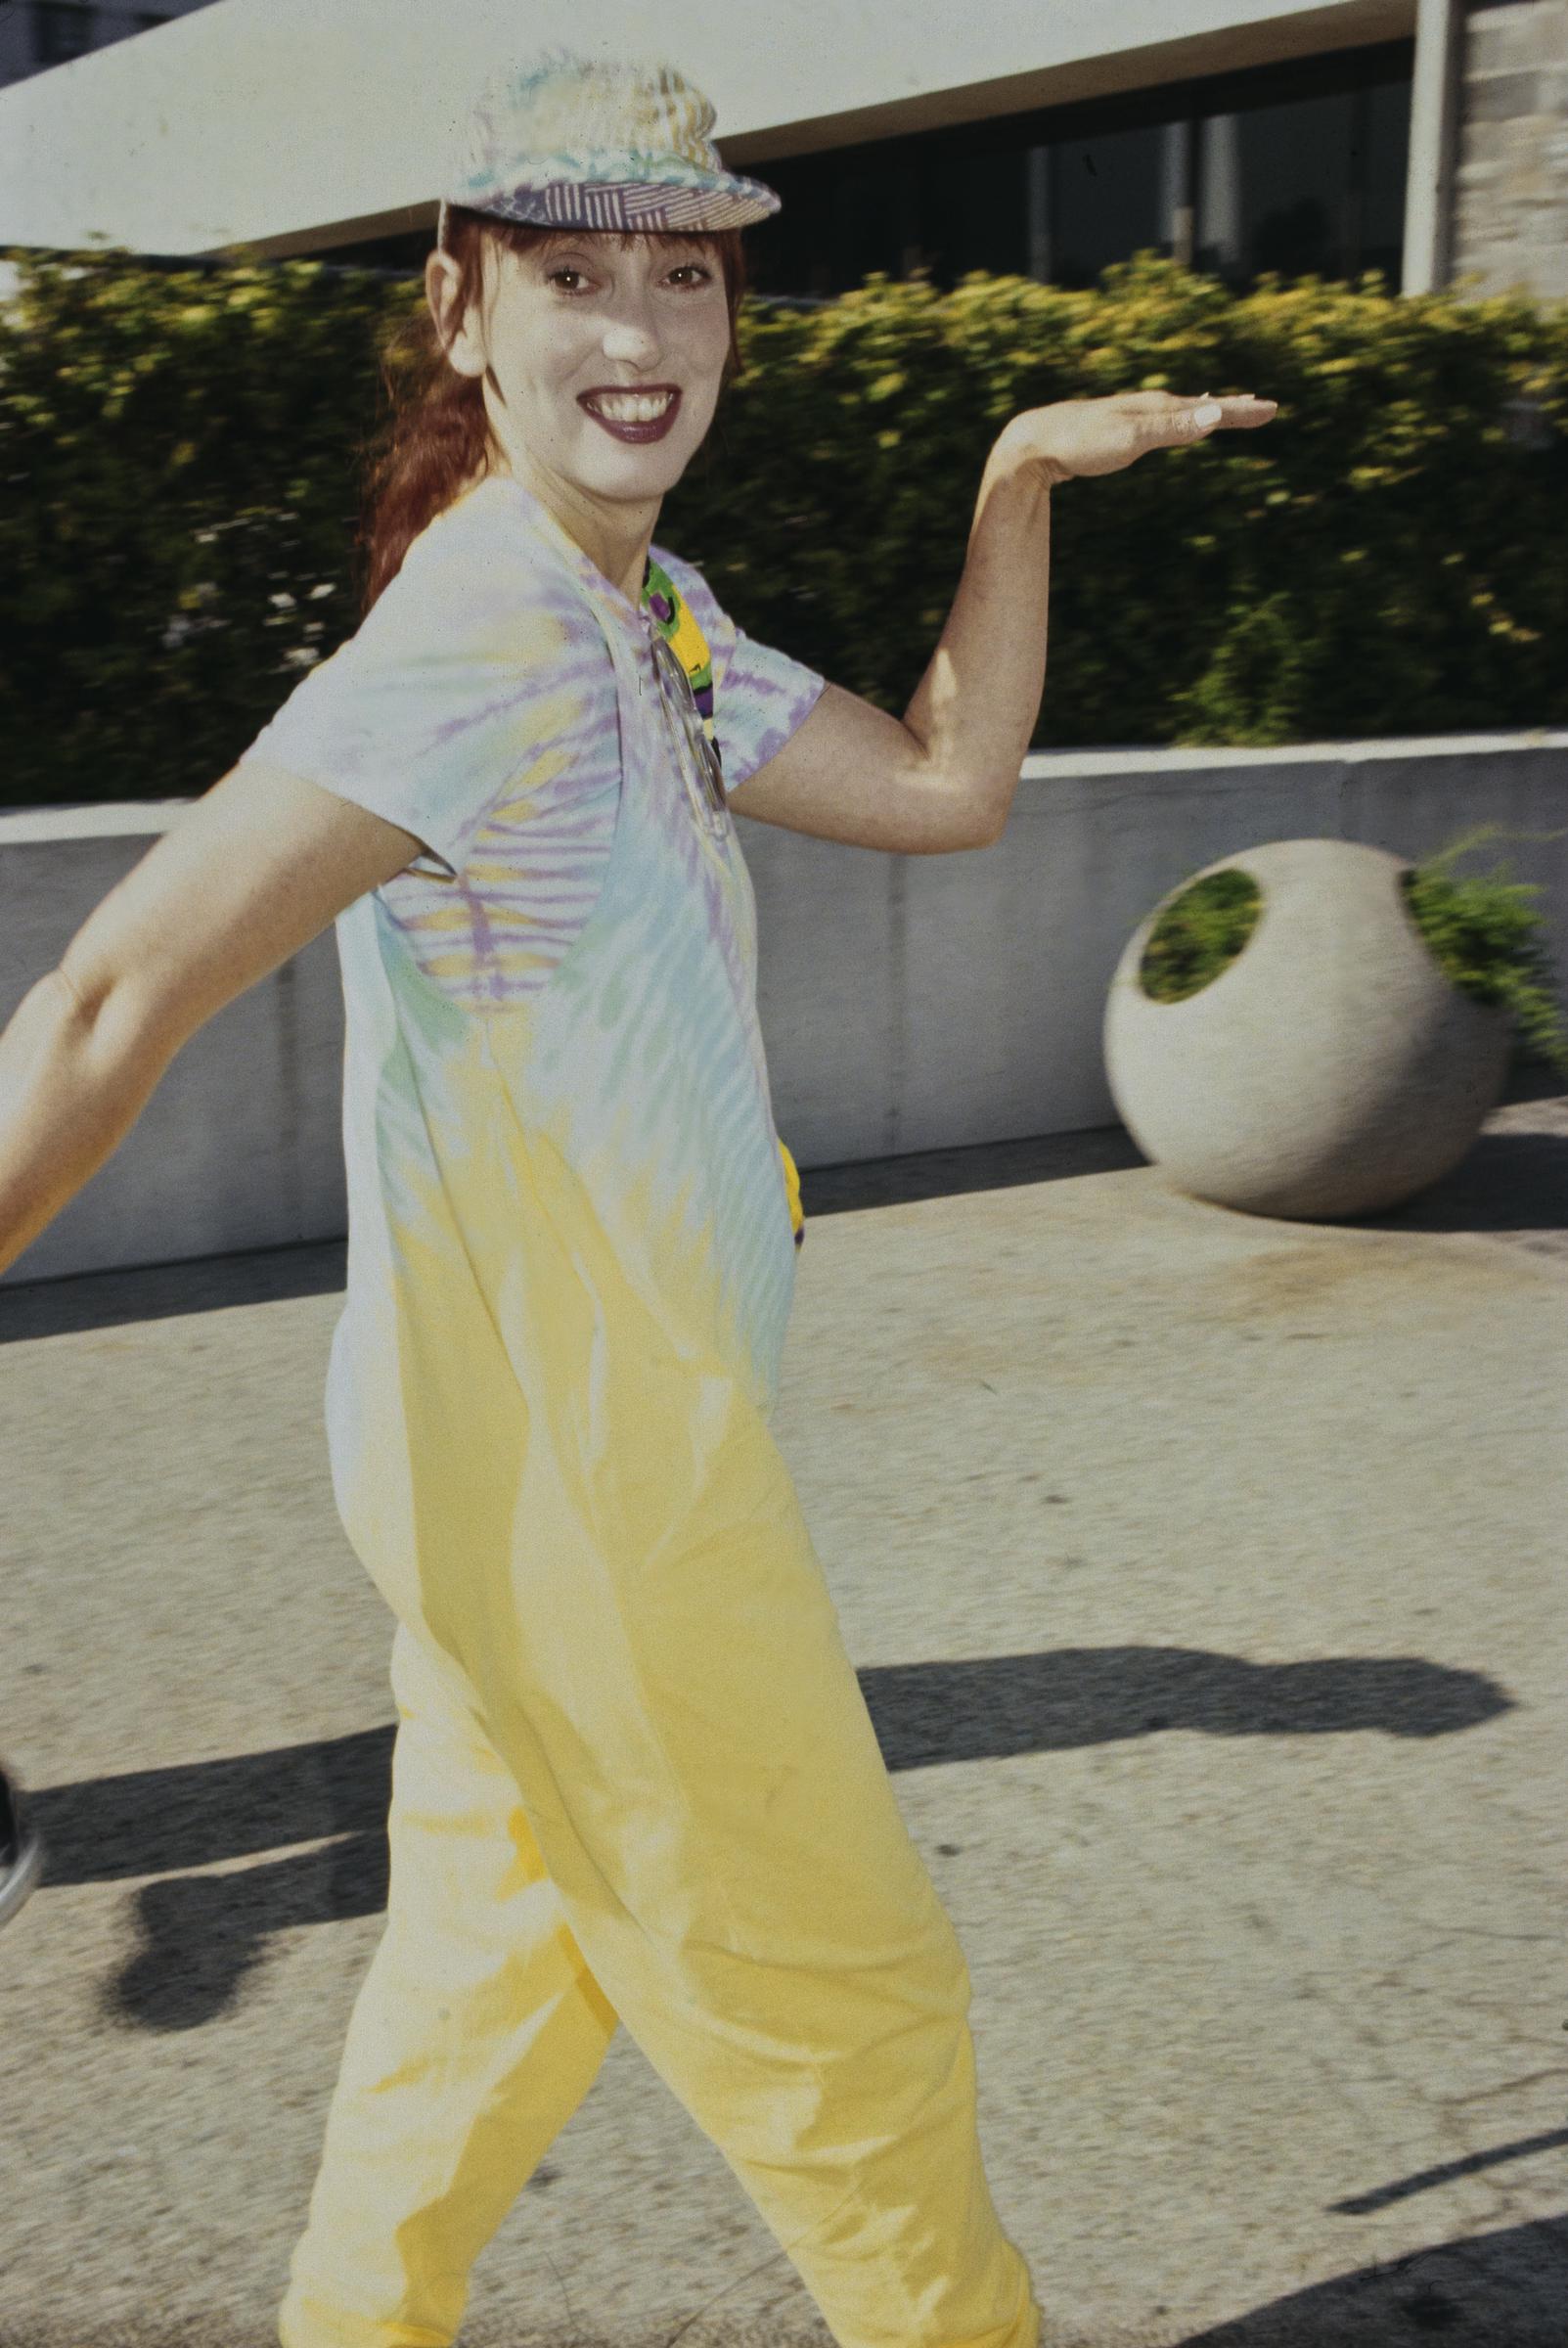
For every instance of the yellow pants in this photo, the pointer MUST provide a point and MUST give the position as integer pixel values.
(715, 1858)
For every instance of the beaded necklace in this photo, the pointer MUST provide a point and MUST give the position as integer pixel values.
(676, 622)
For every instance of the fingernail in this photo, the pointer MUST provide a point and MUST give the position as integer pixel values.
(1207, 414)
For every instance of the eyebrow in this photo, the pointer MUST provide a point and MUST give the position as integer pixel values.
(565, 241)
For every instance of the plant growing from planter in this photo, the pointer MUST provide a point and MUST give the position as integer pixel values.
(1319, 1029)
(1491, 943)
(1483, 934)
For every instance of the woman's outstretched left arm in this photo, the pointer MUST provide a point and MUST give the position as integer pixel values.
(943, 776)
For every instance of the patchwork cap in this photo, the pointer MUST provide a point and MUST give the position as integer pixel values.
(571, 142)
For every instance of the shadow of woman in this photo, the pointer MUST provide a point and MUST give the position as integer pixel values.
(1491, 2290)
(203, 1934)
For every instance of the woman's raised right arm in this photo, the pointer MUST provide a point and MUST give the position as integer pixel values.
(249, 875)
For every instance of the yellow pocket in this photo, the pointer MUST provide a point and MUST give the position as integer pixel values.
(797, 1220)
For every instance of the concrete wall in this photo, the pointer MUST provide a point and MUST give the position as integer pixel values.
(909, 1003)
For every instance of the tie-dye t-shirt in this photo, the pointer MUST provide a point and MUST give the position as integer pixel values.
(568, 1212)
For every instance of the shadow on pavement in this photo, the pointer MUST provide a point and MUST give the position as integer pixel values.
(84, 1300)
(204, 1283)
(1507, 1182)
(204, 1933)
(1491, 2290)
(1358, 2205)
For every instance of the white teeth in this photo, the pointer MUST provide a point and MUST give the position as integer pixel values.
(623, 407)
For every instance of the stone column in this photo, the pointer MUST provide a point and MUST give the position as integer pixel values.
(1510, 211)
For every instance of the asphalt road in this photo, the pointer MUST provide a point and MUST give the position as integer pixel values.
(1204, 1576)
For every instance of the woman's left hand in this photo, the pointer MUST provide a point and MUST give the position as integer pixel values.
(1074, 436)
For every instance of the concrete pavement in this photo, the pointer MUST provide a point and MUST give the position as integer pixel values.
(1203, 1572)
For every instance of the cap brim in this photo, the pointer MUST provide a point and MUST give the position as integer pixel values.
(633, 206)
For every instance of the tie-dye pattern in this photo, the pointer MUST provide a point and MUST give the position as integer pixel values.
(600, 143)
(570, 962)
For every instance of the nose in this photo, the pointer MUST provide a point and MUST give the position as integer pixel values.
(631, 335)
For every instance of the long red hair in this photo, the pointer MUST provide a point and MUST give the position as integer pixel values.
(436, 439)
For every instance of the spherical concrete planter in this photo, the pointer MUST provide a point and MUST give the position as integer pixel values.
(1332, 1069)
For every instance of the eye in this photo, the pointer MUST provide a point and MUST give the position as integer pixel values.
(565, 270)
(688, 268)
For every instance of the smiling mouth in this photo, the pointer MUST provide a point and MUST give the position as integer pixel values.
(633, 414)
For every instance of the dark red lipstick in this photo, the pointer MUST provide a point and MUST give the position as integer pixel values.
(656, 425)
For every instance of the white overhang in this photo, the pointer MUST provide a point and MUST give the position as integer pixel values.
(290, 125)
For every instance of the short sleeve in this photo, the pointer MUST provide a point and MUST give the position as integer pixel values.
(760, 694)
(460, 690)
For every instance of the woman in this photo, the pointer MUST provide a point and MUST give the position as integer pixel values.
(634, 1777)
(20, 1850)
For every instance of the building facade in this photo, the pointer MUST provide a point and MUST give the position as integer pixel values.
(1424, 139)
(1299, 167)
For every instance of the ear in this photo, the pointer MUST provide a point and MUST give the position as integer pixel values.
(444, 278)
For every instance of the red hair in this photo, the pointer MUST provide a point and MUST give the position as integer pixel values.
(436, 441)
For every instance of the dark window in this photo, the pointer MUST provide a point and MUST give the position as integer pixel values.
(976, 209)
(1383, 137)
(1107, 196)
(1295, 168)
(1311, 188)
(60, 31)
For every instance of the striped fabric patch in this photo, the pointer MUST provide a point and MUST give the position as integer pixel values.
(630, 206)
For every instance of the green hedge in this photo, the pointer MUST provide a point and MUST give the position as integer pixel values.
(181, 452)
